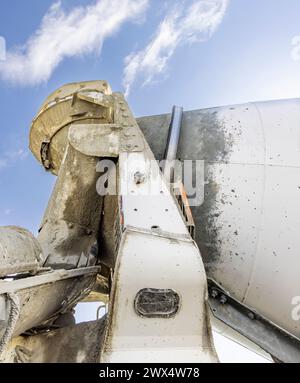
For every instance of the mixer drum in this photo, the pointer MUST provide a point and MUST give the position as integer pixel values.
(247, 228)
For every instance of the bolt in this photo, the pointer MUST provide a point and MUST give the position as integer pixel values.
(223, 299)
(214, 293)
(251, 315)
(139, 178)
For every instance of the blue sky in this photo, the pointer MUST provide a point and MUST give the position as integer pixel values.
(246, 55)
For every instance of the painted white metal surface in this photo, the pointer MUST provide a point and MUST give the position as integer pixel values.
(163, 263)
(258, 199)
(150, 203)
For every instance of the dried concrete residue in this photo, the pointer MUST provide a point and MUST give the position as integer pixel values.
(204, 136)
(74, 344)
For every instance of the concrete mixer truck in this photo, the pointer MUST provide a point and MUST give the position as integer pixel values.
(179, 222)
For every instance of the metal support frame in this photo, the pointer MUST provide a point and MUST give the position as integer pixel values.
(168, 166)
(281, 345)
(157, 260)
(173, 140)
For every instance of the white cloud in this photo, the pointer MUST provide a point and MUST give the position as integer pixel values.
(185, 24)
(61, 34)
(295, 53)
(3, 163)
(10, 157)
